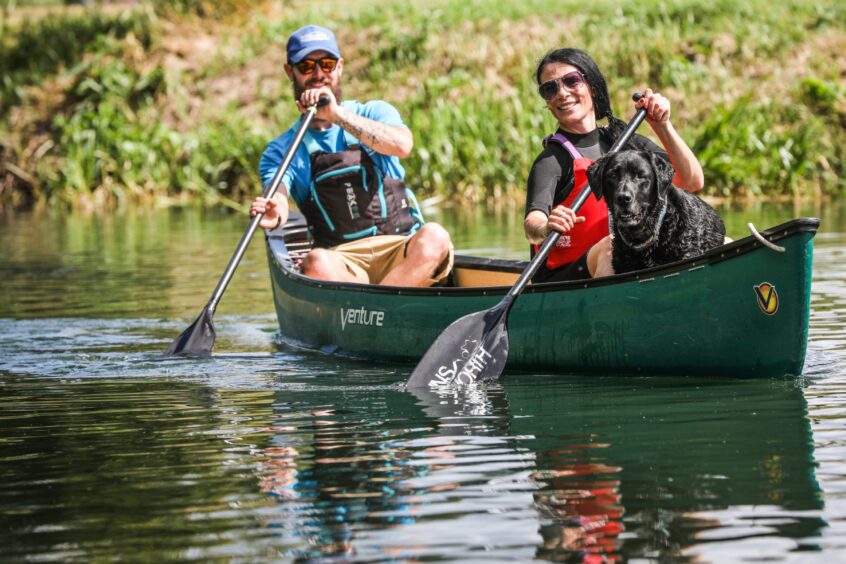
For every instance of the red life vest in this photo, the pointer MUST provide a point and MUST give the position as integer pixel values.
(582, 236)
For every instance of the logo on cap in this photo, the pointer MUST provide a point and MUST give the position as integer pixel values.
(314, 36)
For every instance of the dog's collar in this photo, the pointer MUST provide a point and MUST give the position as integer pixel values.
(652, 240)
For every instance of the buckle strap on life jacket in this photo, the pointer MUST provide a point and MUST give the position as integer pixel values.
(580, 163)
(563, 141)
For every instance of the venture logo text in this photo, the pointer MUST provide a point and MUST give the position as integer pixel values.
(361, 316)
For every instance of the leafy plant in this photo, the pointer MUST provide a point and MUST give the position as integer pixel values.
(38, 49)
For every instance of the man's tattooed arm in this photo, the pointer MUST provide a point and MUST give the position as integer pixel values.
(391, 140)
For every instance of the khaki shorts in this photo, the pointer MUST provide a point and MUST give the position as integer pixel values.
(372, 258)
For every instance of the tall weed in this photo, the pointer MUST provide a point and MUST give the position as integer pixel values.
(743, 152)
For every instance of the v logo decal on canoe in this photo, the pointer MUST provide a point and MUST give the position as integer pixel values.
(767, 297)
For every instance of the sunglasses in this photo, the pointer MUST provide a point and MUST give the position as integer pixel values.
(571, 81)
(307, 66)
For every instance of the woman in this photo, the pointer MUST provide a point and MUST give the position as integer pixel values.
(576, 94)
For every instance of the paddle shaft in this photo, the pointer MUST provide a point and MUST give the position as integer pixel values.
(271, 190)
(553, 237)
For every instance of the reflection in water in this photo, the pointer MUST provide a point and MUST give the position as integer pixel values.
(653, 468)
(570, 470)
(358, 482)
(352, 467)
(466, 410)
(581, 508)
(578, 507)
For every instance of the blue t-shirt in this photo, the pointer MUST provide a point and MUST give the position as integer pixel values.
(298, 176)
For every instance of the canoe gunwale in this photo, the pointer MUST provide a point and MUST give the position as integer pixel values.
(276, 243)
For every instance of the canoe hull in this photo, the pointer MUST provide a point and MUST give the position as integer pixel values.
(740, 311)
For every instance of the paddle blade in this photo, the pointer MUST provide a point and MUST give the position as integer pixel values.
(197, 340)
(473, 349)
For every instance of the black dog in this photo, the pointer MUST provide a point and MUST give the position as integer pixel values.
(652, 222)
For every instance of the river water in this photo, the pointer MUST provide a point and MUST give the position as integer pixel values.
(266, 453)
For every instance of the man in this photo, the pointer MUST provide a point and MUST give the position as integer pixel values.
(347, 180)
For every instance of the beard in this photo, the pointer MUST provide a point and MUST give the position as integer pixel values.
(337, 90)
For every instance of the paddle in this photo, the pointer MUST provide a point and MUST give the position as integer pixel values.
(198, 339)
(475, 347)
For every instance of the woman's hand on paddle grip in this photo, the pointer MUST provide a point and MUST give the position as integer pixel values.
(657, 108)
(563, 219)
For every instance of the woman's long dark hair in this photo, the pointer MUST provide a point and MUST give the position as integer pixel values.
(596, 81)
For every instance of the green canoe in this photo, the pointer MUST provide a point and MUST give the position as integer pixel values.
(740, 310)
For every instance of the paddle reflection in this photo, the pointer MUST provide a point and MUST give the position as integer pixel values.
(575, 502)
(468, 409)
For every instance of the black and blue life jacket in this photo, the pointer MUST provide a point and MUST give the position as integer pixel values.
(351, 198)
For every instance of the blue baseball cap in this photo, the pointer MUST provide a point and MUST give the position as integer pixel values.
(309, 39)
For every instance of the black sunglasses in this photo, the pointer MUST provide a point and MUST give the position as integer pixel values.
(571, 81)
(307, 66)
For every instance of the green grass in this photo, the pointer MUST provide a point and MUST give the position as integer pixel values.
(36, 50)
(115, 143)
(756, 88)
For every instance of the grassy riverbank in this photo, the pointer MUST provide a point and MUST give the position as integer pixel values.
(175, 104)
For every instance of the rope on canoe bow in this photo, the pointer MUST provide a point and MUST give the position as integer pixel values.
(765, 242)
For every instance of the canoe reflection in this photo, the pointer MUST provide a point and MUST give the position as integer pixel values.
(643, 469)
(583, 470)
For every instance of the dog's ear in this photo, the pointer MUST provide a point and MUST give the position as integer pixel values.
(595, 175)
(664, 172)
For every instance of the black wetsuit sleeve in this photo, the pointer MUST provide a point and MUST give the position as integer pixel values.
(544, 180)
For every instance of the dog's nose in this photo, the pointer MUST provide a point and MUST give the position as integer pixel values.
(623, 198)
